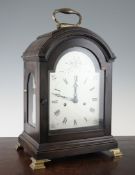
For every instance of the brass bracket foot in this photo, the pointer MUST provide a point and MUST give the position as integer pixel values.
(19, 147)
(38, 164)
(116, 152)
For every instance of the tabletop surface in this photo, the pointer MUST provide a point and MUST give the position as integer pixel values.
(17, 163)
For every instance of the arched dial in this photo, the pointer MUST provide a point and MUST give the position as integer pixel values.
(76, 90)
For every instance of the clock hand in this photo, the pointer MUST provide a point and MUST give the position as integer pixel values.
(67, 98)
(75, 99)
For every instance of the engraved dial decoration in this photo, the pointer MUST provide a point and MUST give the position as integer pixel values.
(76, 90)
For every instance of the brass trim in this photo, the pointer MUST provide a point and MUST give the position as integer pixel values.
(116, 152)
(18, 147)
(38, 164)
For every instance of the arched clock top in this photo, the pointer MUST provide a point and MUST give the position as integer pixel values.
(42, 48)
(77, 57)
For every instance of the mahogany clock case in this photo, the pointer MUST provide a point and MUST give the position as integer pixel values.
(40, 58)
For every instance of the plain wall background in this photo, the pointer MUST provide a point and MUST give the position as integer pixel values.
(21, 21)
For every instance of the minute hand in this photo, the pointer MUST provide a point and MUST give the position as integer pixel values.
(67, 98)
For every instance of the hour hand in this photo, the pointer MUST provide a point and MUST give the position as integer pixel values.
(64, 97)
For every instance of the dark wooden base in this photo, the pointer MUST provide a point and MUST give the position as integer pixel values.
(13, 162)
(66, 148)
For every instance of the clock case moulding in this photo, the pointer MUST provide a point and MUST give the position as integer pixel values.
(39, 58)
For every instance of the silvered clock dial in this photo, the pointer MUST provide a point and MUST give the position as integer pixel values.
(76, 90)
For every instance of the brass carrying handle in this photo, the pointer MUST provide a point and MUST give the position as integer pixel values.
(66, 11)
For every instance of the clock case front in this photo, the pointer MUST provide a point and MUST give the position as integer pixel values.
(39, 59)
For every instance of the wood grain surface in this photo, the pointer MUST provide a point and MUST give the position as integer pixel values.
(17, 163)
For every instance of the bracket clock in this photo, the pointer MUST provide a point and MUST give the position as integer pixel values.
(67, 94)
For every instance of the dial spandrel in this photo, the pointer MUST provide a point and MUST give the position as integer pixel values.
(75, 91)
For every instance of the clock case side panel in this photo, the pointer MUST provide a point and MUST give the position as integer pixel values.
(32, 57)
(30, 138)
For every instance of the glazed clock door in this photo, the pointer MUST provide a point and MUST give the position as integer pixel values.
(76, 91)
